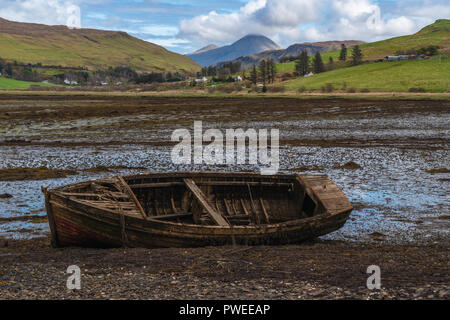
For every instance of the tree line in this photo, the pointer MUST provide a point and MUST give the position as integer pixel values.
(81, 76)
(223, 72)
(266, 72)
(305, 65)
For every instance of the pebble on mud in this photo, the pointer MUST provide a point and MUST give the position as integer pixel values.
(438, 170)
(349, 165)
(305, 168)
(3, 243)
(377, 235)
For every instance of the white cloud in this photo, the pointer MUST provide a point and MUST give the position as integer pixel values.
(52, 12)
(288, 21)
(288, 13)
(279, 19)
(354, 9)
(360, 20)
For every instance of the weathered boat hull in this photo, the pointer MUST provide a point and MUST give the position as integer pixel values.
(75, 223)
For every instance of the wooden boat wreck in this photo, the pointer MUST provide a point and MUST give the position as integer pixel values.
(195, 209)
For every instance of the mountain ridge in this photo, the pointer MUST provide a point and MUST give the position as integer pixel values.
(291, 51)
(91, 48)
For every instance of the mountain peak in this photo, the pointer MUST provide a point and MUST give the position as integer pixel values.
(250, 44)
(258, 40)
(254, 35)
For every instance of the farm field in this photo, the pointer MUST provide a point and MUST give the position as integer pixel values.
(400, 76)
(11, 84)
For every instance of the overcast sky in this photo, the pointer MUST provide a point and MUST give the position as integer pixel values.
(184, 26)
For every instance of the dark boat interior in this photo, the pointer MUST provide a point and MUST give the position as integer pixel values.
(224, 199)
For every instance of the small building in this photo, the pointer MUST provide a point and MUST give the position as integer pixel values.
(398, 58)
(204, 79)
(70, 82)
(406, 57)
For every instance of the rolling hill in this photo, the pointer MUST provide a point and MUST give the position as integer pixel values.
(249, 44)
(437, 34)
(400, 76)
(94, 49)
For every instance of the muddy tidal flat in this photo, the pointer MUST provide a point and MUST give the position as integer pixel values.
(391, 158)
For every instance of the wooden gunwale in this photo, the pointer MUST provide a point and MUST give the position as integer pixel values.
(185, 227)
(210, 183)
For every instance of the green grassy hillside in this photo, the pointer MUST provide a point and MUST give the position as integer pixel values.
(11, 84)
(432, 75)
(95, 49)
(437, 34)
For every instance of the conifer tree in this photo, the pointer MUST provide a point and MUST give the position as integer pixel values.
(356, 55)
(263, 71)
(318, 63)
(302, 63)
(343, 54)
(254, 75)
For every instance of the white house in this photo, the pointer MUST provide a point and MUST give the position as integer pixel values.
(70, 82)
(204, 79)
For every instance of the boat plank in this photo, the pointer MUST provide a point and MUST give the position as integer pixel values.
(190, 184)
(132, 195)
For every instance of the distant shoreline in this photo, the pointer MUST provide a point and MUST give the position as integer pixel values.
(388, 96)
